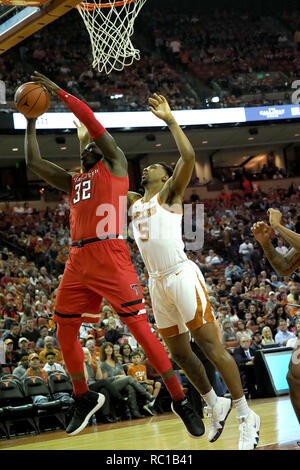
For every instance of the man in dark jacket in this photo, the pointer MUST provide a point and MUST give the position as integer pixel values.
(244, 357)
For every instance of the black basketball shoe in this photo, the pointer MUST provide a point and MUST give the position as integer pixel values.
(192, 421)
(84, 408)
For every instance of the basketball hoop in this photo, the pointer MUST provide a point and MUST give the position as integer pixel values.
(110, 24)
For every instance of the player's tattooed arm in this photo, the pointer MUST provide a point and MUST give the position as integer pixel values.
(185, 165)
(51, 173)
(282, 264)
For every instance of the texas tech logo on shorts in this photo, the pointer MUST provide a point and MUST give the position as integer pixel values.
(136, 288)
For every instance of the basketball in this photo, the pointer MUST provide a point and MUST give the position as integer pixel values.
(32, 99)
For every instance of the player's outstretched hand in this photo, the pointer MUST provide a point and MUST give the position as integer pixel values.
(160, 107)
(274, 217)
(82, 132)
(262, 232)
(46, 82)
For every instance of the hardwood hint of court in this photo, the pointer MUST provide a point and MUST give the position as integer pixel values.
(279, 430)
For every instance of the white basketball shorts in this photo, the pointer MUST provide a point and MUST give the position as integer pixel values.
(180, 301)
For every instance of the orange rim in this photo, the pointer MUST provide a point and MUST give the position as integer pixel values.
(92, 6)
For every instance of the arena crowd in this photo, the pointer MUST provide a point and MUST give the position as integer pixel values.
(254, 306)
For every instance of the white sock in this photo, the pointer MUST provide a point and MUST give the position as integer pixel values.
(242, 408)
(210, 398)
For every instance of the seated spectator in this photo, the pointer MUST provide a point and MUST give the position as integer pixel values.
(261, 323)
(241, 310)
(27, 313)
(267, 336)
(44, 332)
(94, 350)
(22, 367)
(283, 334)
(250, 320)
(254, 310)
(119, 358)
(123, 383)
(257, 340)
(12, 357)
(138, 371)
(35, 370)
(292, 342)
(271, 323)
(281, 248)
(97, 383)
(272, 302)
(29, 332)
(85, 330)
(244, 356)
(51, 365)
(241, 330)
(24, 347)
(126, 351)
(112, 335)
(213, 258)
(233, 272)
(49, 347)
(274, 282)
(9, 312)
(234, 297)
(228, 332)
(14, 334)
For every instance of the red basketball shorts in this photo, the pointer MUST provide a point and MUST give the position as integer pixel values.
(97, 270)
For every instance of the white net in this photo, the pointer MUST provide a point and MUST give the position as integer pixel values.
(110, 25)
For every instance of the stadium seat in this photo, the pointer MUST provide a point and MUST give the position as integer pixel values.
(59, 382)
(33, 386)
(15, 406)
(231, 344)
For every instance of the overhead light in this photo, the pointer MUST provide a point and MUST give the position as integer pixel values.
(204, 141)
(116, 96)
(15, 149)
(157, 145)
(215, 99)
(63, 148)
(250, 138)
(297, 135)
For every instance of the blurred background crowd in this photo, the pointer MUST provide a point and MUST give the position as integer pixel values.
(254, 306)
(216, 58)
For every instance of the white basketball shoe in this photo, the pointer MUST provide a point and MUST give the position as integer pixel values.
(217, 417)
(249, 431)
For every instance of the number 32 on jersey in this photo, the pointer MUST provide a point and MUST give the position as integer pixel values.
(82, 191)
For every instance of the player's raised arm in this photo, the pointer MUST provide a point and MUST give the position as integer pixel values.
(83, 135)
(106, 143)
(185, 165)
(51, 173)
(291, 237)
(283, 264)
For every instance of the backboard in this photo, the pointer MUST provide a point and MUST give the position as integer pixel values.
(20, 19)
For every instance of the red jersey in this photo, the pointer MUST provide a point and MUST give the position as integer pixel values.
(98, 202)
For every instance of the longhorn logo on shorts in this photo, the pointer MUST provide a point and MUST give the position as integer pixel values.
(136, 288)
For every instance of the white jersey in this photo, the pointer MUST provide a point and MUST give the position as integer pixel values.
(158, 235)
